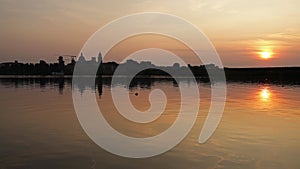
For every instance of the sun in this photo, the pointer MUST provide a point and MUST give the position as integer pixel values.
(266, 55)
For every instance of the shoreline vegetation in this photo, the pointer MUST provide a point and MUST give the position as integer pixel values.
(280, 75)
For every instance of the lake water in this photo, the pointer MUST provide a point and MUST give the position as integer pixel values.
(39, 127)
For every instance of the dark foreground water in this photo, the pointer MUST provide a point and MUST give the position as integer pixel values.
(39, 128)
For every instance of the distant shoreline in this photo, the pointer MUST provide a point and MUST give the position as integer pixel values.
(273, 75)
(280, 75)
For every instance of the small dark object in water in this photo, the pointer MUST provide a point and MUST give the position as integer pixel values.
(136, 94)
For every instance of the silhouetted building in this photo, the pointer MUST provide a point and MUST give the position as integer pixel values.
(93, 60)
(274, 74)
(176, 66)
(109, 68)
(99, 57)
(61, 64)
(81, 58)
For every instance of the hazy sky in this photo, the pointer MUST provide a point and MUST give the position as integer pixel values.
(41, 29)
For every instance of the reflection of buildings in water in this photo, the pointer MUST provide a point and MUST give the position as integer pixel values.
(86, 83)
(175, 84)
(16, 83)
(144, 83)
(42, 82)
(99, 86)
(83, 83)
(61, 85)
(127, 82)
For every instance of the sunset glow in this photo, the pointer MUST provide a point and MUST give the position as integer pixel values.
(265, 94)
(150, 84)
(266, 55)
(42, 30)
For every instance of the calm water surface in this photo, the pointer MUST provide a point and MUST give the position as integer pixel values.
(39, 128)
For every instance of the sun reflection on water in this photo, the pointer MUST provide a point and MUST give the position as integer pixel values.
(265, 95)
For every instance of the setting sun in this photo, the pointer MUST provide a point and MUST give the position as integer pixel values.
(266, 55)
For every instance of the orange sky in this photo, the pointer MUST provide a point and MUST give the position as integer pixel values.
(39, 29)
